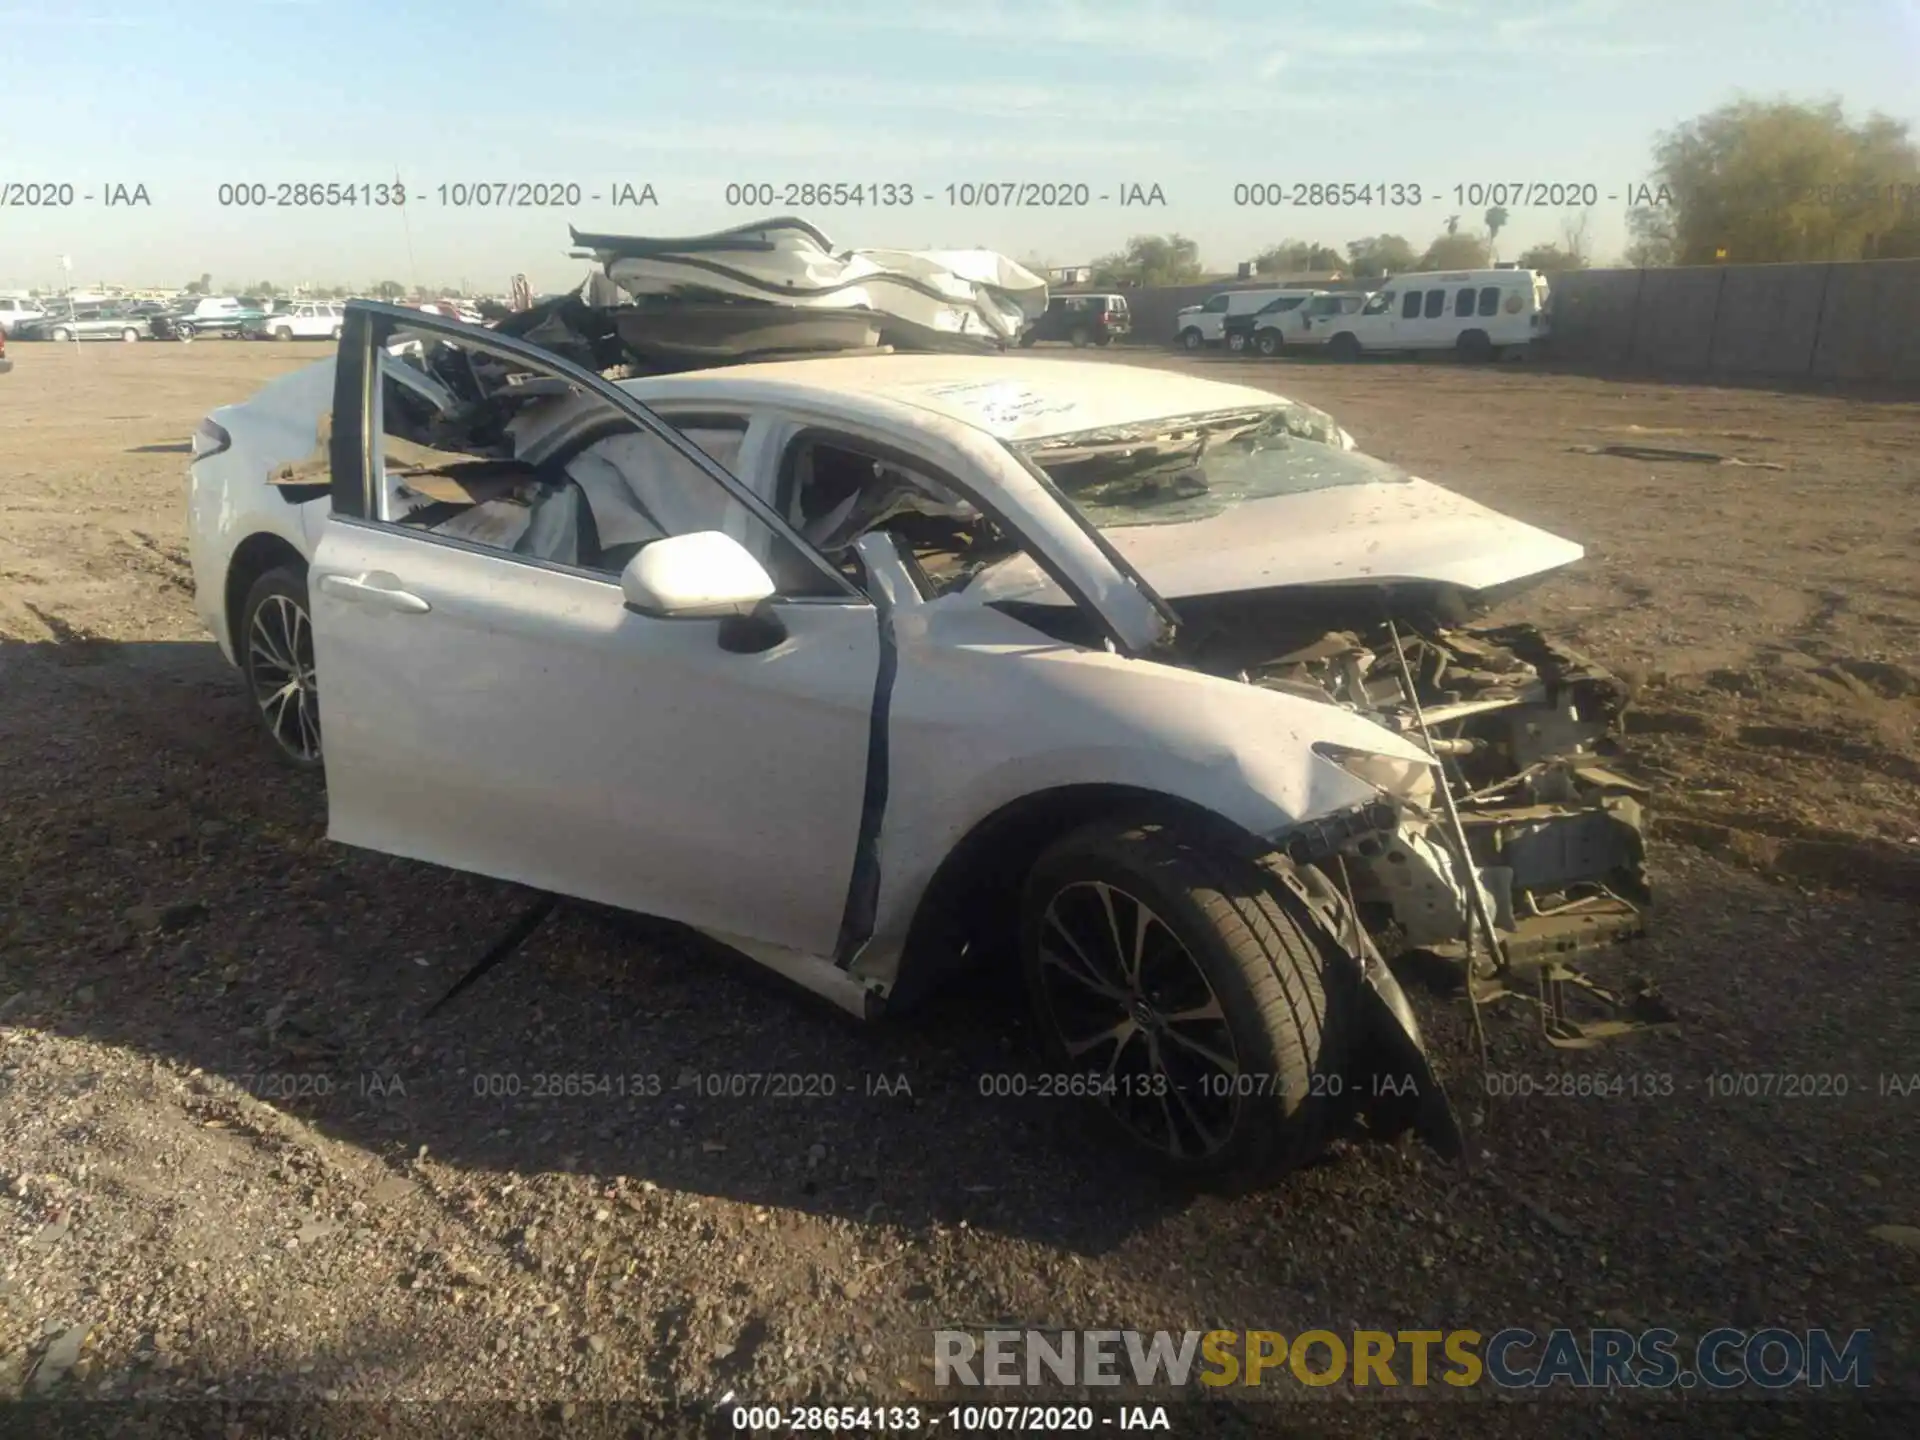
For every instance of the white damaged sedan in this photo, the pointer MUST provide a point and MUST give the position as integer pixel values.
(878, 667)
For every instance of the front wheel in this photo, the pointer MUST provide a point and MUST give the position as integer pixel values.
(1268, 342)
(1191, 339)
(130, 335)
(61, 332)
(185, 332)
(275, 650)
(1187, 989)
(1344, 346)
(282, 332)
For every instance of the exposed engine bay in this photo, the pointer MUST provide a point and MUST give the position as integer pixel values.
(1527, 734)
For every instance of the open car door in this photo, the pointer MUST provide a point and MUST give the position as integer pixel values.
(492, 702)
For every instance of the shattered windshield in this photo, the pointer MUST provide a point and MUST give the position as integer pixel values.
(1166, 472)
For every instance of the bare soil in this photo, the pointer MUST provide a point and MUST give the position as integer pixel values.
(234, 1161)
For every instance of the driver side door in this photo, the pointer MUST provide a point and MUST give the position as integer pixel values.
(490, 703)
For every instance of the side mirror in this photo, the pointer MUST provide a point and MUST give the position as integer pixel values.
(704, 575)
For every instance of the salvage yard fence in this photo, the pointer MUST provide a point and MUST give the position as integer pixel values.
(1849, 320)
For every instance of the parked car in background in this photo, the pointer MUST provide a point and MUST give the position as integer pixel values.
(1481, 314)
(86, 322)
(452, 309)
(301, 320)
(1198, 326)
(14, 313)
(210, 315)
(1240, 330)
(1081, 320)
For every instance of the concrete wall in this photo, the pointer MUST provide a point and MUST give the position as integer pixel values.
(1851, 320)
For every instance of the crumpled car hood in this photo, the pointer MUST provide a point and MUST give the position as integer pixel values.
(788, 262)
(1347, 535)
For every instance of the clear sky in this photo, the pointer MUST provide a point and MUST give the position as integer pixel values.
(183, 96)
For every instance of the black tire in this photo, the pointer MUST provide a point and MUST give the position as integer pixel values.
(1103, 340)
(1268, 343)
(1475, 346)
(1191, 339)
(1344, 346)
(293, 726)
(1236, 342)
(281, 332)
(184, 332)
(1080, 336)
(60, 332)
(1281, 1003)
(1027, 341)
(129, 335)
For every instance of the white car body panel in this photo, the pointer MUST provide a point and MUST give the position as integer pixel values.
(985, 712)
(527, 726)
(1346, 535)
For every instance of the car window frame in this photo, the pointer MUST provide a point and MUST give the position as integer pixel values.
(368, 328)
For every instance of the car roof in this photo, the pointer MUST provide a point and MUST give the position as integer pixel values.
(1012, 398)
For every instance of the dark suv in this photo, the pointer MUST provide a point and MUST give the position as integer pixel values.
(1081, 320)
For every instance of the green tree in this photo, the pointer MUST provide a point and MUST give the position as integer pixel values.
(389, 290)
(1654, 241)
(1782, 180)
(1550, 258)
(1151, 260)
(1377, 255)
(266, 289)
(200, 286)
(1454, 251)
(1291, 257)
(1496, 222)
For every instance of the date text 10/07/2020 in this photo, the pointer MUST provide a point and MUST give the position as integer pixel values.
(1526, 194)
(459, 195)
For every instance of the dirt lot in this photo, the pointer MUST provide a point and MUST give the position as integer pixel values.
(234, 1161)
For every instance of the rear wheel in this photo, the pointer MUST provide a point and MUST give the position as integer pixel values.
(282, 332)
(185, 332)
(60, 332)
(1344, 346)
(1236, 342)
(1103, 339)
(275, 650)
(1191, 991)
(1268, 342)
(1474, 345)
(1191, 339)
(1080, 336)
(129, 335)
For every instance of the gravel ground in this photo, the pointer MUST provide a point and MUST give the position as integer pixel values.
(236, 1162)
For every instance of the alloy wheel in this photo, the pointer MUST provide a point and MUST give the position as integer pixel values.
(280, 666)
(1129, 1002)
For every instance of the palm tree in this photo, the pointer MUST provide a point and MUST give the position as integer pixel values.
(1496, 221)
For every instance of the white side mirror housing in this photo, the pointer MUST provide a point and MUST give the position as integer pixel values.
(704, 575)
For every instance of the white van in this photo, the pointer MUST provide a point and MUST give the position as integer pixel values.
(1480, 313)
(1309, 323)
(1206, 324)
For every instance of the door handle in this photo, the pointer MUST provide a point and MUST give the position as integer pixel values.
(365, 590)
